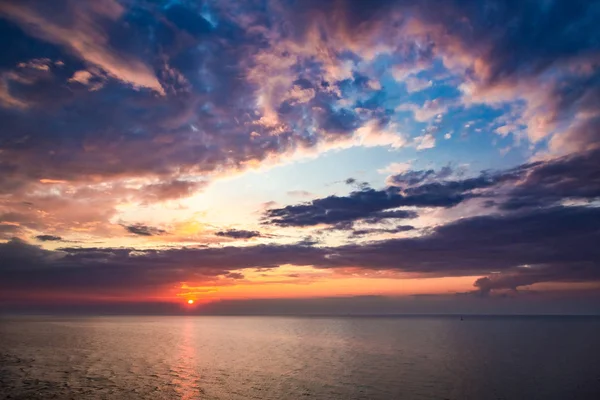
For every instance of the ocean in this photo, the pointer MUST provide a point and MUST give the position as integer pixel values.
(423, 357)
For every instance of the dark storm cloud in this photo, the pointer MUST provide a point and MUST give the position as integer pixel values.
(48, 238)
(239, 234)
(144, 230)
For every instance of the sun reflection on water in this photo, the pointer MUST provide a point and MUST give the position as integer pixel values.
(187, 377)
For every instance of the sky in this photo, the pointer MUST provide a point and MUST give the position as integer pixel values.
(286, 156)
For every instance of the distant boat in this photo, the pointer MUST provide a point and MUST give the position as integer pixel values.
(461, 318)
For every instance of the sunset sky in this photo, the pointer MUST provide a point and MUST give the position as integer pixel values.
(258, 156)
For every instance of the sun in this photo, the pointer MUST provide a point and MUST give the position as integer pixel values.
(190, 301)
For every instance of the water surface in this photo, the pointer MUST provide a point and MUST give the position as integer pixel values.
(300, 358)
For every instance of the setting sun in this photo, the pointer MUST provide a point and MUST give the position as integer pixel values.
(190, 301)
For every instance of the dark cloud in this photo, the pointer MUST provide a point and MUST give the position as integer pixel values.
(48, 238)
(413, 177)
(234, 275)
(557, 244)
(397, 229)
(239, 234)
(27, 268)
(144, 230)
(16, 252)
(8, 231)
(515, 278)
(543, 183)
(520, 38)
(410, 189)
(366, 203)
(573, 177)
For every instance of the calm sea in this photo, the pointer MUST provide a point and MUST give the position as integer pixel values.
(300, 358)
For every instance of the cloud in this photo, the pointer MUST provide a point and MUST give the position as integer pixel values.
(408, 189)
(170, 190)
(286, 91)
(48, 238)
(558, 244)
(357, 205)
(537, 184)
(542, 183)
(424, 142)
(234, 275)
(65, 210)
(84, 36)
(123, 271)
(416, 84)
(573, 177)
(299, 193)
(239, 234)
(82, 77)
(428, 110)
(395, 168)
(397, 229)
(409, 177)
(144, 230)
(9, 230)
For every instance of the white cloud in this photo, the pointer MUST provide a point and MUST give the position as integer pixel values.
(416, 84)
(430, 109)
(423, 142)
(396, 168)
